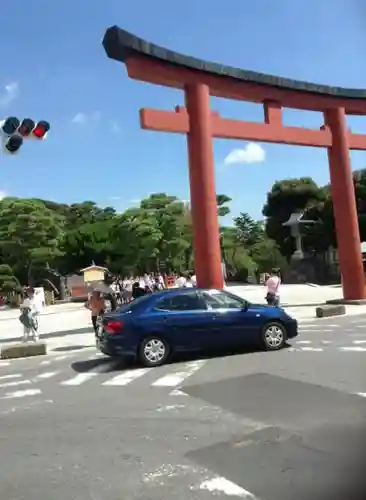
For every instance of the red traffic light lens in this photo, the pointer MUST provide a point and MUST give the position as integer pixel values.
(41, 129)
(26, 127)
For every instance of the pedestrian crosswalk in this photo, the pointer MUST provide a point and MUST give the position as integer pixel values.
(110, 374)
(316, 337)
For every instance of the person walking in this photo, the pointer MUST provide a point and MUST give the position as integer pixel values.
(96, 306)
(30, 311)
(273, 288)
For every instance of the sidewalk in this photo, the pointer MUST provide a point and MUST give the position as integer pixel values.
(291, 295)
(6, 314)
(51, 325)
(308, 312)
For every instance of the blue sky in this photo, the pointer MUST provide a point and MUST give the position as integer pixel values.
(54, 68)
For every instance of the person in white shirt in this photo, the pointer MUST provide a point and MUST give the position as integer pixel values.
(181, 281)
(194, 280)
(31, 309)
(190, 283)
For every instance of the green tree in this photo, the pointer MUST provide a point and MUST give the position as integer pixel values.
(287, 197)
(266, 254)
(249, 231)
(8, 282)
(30, 233)
(221, 201)
(169, 215)
(134, 239)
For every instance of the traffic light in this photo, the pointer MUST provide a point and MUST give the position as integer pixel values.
(10, 125)
(40, 131)
(26, 127)
(12, 145)
(13, 132)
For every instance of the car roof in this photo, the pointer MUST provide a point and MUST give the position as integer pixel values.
(182, 291)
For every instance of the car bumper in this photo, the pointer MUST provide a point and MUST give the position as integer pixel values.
(292, 329)
(113, 346)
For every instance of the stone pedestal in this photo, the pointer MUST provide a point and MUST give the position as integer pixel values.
(23, 350)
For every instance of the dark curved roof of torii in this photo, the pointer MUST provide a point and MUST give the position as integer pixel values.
(120, 44)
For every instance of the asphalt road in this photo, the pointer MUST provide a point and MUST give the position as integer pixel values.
(281, 425)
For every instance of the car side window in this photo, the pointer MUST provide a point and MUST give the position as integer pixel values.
(184, 302)
(219, 300)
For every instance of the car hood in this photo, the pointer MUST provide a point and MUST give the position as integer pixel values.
(264, 308)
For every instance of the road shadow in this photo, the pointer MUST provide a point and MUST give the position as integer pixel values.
(118, 364)
(325, 463)
(220, 353)
(111, 365)
(312, 447)
(72, 348)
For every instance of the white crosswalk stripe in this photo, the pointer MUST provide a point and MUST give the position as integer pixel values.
(127, 377)
(80, 378)
(175, 379)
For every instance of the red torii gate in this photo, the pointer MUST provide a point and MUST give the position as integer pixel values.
(200, 79)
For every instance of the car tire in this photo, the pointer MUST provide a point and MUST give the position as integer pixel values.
(273, 336)
(153, 351)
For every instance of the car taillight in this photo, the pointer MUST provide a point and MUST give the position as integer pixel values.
(113, 327)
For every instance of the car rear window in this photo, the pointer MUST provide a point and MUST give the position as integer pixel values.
(135, 304)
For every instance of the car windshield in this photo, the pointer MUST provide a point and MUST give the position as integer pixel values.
(225, 298)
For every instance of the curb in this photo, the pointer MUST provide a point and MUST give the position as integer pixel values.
(311, 304)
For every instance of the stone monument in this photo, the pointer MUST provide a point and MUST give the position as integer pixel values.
(301, 267)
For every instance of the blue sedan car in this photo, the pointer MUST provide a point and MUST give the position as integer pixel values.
(153, 327)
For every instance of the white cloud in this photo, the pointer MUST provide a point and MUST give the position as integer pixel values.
(3, 194)
(9, 93)
(252, 153)
(81, 118)
(116, 129)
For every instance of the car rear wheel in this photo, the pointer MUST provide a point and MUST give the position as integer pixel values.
(153, 351)
(273, 336)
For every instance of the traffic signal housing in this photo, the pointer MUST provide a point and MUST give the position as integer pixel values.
(13, 132)
(10, 125)
(41, 130)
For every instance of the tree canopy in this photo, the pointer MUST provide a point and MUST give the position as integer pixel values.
(315, 202)
(157, 234)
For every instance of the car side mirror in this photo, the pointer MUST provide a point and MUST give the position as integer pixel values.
(245, 307)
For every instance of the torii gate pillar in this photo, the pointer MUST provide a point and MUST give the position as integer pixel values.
(344, 206)
(207, 252)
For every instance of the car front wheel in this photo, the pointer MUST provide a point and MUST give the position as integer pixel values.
(153, 351)
(273, 336)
